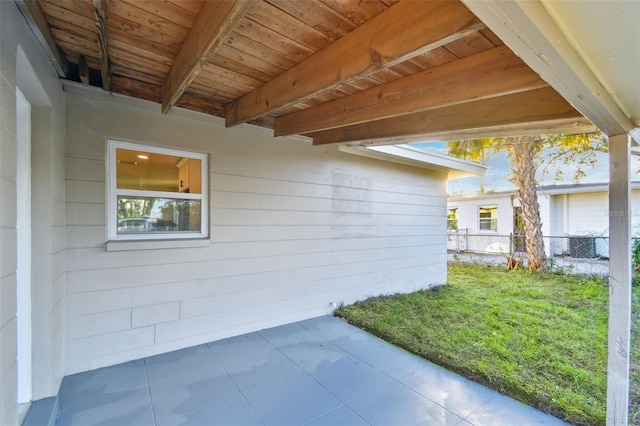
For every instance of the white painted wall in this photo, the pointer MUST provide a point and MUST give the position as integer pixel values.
(468, 222)
(23, 64)
(468, 217)
(588, 213)
(293, 228)
(579, 213)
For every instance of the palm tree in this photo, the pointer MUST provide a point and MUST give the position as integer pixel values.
(526, 160)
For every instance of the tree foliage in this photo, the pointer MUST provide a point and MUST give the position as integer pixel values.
(553, 153)
(532, 158)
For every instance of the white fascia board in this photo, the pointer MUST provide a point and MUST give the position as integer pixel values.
(580, 189)
(418, 157)
(561, 190)
(489, 195)
(526, 28)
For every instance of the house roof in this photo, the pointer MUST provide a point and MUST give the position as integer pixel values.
(548, 190)
(334, 70)
(419, 157)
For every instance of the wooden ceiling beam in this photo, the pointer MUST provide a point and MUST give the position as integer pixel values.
(99, 11)
(37, 20)
(404, 30)
(212, 27)
(487, 74)
(536, 111)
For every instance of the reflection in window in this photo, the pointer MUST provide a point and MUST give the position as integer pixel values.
(156, 193)
(488, 218)
(452, 218)
(141, 215)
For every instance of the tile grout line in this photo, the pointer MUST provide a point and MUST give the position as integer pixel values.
(235, 384)
(310, 376)
(146, 376)
(348, 353)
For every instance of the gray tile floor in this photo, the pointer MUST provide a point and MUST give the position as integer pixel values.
(320, 371)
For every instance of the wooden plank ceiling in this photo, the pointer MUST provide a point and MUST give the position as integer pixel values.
(335, 70)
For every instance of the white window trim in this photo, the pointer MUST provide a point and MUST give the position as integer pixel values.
(113, 192)
(487, 206)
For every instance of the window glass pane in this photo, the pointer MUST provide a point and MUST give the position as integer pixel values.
(488, 218)
(452, 218)
(141, 215)
(147, 171)
(488, 212)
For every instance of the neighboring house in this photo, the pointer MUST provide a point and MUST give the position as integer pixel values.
(572, 216)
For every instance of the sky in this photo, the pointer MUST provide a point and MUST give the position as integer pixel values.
(499, 173)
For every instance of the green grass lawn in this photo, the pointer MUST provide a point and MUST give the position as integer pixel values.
(540, 338)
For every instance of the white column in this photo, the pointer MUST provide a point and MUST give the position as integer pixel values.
(619, 280)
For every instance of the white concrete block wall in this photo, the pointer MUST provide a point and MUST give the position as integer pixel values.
(578, 213)
(293, 228)
(48, 243)
(482, 241)
(8, 235)
(635, 213)
(468, 219)
(588, 214)
(24, 64)
(468, 210)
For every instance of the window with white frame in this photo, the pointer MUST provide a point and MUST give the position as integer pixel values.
(452, 218)
(156, 193)
(488, 218)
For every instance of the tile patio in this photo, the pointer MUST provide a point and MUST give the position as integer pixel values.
(321, 371)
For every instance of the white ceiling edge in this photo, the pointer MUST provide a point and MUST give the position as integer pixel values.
(527, 28)
(418, 157)
(606, 35)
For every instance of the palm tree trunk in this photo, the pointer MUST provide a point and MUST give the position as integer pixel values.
(524, 177)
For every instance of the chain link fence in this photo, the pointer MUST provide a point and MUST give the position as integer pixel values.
(577, 246)
(577, 255)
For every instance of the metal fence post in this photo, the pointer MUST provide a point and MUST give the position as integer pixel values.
(512, 248)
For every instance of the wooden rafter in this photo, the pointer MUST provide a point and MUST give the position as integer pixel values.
(536, 111)
(31, 9)
(212, 27)
(487, 74)
(99, 11)
(393, 36)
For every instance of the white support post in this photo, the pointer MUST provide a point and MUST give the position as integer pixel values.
(619, 343)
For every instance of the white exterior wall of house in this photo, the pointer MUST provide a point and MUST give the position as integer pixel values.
(294, 228)
(582, 213)
(25, 66)
(588, 213)
(468, 220)
(468, 217)
(563, 214)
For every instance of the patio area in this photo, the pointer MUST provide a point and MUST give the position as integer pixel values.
(321, 371)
